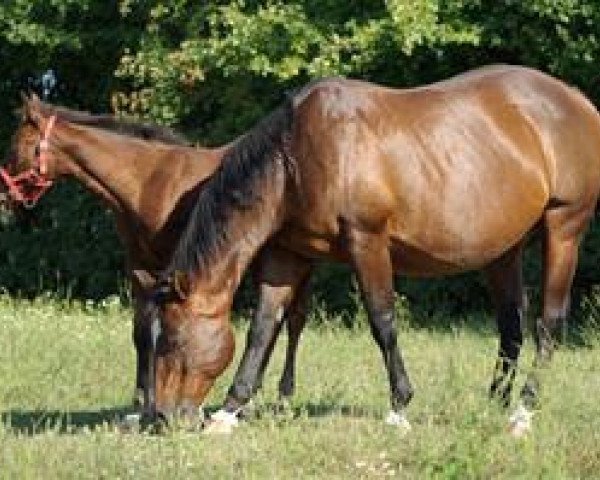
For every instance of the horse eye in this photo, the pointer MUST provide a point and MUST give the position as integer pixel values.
(162, 294)
(36, 150)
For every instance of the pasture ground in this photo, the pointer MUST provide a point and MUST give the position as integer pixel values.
(66, 374)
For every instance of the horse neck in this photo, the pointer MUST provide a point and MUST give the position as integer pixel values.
(114, 167)
(252, 228)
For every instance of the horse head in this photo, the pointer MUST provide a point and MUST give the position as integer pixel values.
(192, 344)
(30, 169)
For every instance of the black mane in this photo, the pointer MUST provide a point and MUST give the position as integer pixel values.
(233, 187)
(143, 131)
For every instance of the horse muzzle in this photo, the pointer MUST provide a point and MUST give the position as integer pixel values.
(183, 417)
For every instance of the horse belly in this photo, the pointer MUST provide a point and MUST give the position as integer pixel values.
(415, 261)
(467, 214)
(467, 242)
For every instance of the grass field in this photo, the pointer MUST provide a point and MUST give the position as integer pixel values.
(66, 375)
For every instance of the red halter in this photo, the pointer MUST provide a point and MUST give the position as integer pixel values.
(28, 186)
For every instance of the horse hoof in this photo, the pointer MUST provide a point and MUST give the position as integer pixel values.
(519, 423)
(221, 422)
(398, 419)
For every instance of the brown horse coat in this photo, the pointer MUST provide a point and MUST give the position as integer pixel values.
(429, 181)
(455, 173)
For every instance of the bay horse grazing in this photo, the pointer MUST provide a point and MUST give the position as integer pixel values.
(428, 181)
(149, 177)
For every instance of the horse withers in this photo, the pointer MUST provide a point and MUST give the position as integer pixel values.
(430, 181)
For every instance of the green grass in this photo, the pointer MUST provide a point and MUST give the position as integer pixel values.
(66, 374)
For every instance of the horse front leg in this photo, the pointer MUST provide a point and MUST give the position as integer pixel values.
(142, 343)
(141, 282)
(280, 273)
(373, 267)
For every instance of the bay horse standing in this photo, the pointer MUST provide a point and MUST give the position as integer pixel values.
(149, 177)
(428, 181)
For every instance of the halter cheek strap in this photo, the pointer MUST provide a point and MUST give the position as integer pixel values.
(45, 146)
(28, 186)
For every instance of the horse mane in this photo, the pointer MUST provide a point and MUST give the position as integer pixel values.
(129, 128)
(234, 186)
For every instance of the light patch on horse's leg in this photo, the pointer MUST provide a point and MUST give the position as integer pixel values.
(222, 421)
(155, 331)
(398, 419)
(519, 423)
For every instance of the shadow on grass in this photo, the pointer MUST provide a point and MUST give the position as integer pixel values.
(326, 409)
(312, 410)
(37, 422)
(34, 422)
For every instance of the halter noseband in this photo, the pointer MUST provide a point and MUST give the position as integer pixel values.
(28, 186)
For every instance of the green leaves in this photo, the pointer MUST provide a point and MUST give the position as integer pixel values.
(214, 67)
(283, 43)
(43, 24)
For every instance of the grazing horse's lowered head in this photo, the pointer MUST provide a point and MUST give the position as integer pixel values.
(192, 344)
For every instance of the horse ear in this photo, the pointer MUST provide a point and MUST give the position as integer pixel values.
(32, 109)
(181, 284)
(143, 278)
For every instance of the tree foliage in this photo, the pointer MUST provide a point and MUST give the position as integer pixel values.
(214, 67)
(81, 40)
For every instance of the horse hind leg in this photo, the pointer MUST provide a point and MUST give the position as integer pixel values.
(295, 320)
(563, 228)
(505, 280)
